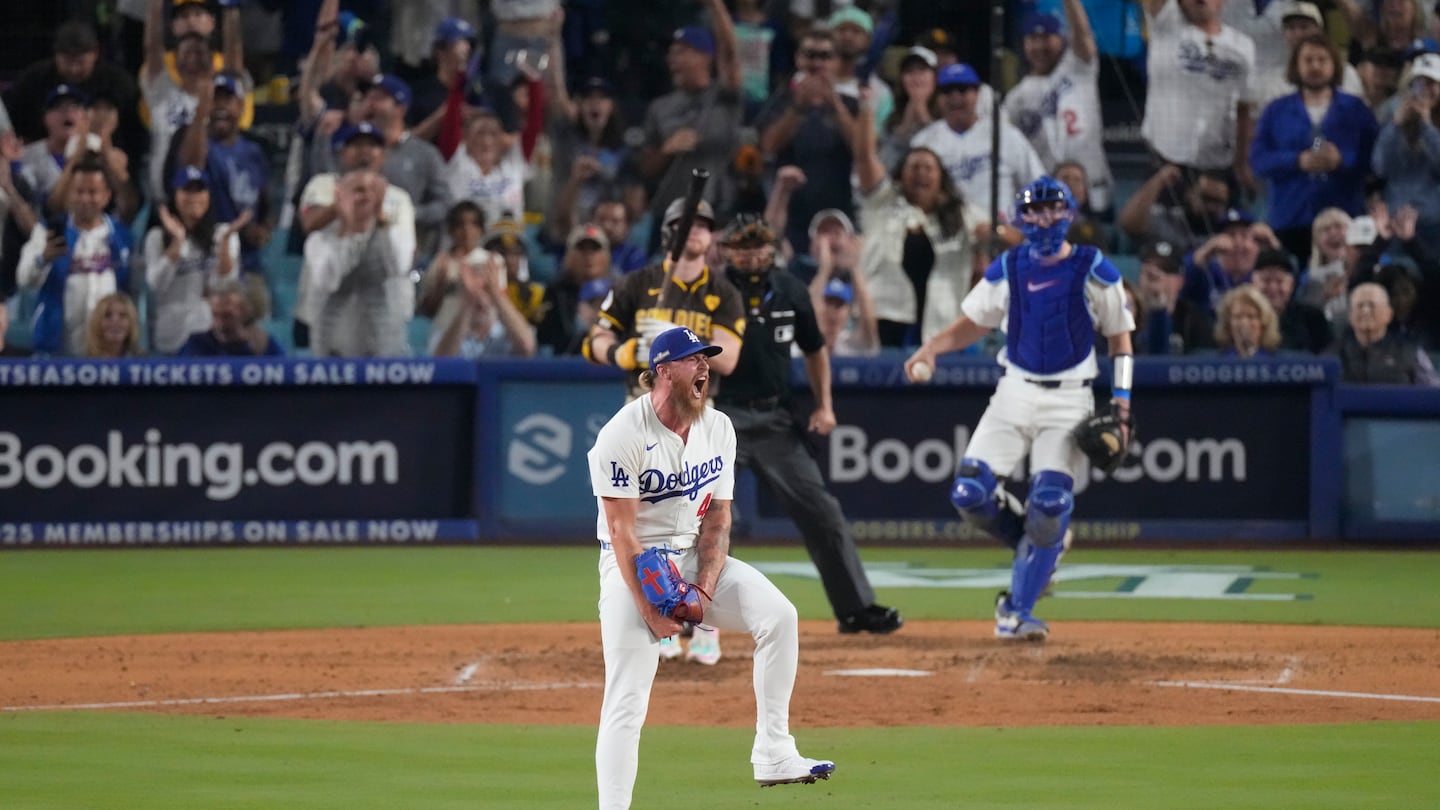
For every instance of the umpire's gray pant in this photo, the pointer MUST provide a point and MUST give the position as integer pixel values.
(769, 443)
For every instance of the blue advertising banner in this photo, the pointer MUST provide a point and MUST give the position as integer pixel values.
(262, 452)
(1217, 441)
(546, 427)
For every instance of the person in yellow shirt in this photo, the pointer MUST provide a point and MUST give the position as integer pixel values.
(198, 17)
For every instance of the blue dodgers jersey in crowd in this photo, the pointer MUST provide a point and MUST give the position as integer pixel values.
(1050, 328)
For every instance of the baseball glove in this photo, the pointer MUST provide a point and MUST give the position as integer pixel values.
(662, 584)
(1105, 438)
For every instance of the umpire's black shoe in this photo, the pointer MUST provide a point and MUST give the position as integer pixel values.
(876, 619)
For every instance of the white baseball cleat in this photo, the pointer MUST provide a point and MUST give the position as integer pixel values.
(794, 770)
(670, 648)
(704, 647)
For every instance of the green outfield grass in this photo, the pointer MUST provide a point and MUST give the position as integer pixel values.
(119, 761)
(135, 760)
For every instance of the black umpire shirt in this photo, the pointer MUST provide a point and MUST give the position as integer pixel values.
(777, 313)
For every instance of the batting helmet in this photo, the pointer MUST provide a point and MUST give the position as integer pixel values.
(676, 210)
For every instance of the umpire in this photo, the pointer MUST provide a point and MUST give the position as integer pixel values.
(756, 396)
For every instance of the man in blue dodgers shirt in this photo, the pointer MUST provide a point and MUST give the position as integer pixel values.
(1049, 297)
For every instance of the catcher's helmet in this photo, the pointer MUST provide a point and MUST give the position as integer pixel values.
(1043, 193)
(747, 231)
(676, 210)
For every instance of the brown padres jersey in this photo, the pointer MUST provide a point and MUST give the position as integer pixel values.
(704, 305)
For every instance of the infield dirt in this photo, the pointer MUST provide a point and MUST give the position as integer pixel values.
(1089, 673)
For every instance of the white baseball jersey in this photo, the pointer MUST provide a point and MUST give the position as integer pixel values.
(1060, 115)
(635, 456)
(1195, 83)
(966, 156)
(988, 304)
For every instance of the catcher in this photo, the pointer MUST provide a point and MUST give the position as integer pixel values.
(663, 471)
(1049, 296)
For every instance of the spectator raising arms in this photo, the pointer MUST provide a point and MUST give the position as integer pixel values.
(74, 262)
(1313, 146)
(490, 170)
(923, 245)
(1057, 104)
(183, 256)
(360, 263)
(697, 125)
(1197, 109)
(841, 297)
(113, 329)
(487, 324)
(810, 125)
(1407, 153)
(916, 105)
(964, 148)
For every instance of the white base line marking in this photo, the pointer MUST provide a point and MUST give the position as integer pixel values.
(467, 673)
(1313, 692)
(426, 690)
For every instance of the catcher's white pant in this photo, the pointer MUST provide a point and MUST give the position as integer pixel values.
(1024, 416)
(744, 601)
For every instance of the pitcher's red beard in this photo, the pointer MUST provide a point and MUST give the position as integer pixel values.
(690, 400)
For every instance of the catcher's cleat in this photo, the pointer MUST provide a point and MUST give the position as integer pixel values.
(670, 648)
(876, 619)
(1016, 627)
(704, 647)
(794, 770)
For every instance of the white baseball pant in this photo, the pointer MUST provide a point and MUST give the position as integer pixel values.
(744, 601)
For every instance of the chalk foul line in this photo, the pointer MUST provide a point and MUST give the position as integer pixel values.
(1235, 687)
(287, 696)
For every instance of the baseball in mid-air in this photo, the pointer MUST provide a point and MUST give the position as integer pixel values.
(921, 371)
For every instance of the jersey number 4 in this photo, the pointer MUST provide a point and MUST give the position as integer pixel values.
(704, 506)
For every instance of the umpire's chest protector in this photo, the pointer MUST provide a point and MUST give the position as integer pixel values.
(1050, 327)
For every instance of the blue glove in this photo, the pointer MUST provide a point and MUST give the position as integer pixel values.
(662, 584)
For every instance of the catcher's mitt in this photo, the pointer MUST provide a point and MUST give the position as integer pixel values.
(662, 584)
(1105, 438)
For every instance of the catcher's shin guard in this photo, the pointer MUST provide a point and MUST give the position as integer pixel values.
(979, 498)
(1047, 518)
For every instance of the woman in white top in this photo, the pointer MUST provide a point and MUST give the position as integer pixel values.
(491, 170)
(923, 243)
(182, 255)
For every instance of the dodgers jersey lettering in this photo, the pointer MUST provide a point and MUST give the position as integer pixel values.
(635, 456)
(1050, 313)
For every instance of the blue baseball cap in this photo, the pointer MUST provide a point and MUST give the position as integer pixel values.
(454, 29)
(190, 175)
(226, 82)
(698, 38)
(677, 344)
(957, 75)
(838, 289)
(1233, 216)
(1038, 22)
(62, 92)
(393, 86)
(350, 132)
(597, 84)
(1420, 46)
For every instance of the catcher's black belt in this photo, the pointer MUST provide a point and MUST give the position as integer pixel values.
(1053, 384)
(757, 404)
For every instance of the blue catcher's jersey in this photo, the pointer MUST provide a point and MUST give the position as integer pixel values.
(1050, 313)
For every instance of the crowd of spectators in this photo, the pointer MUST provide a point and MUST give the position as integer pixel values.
(472, 177)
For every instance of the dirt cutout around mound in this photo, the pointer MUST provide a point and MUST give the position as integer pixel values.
(929, 673)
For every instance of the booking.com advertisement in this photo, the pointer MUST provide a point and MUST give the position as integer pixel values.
(330, 459)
